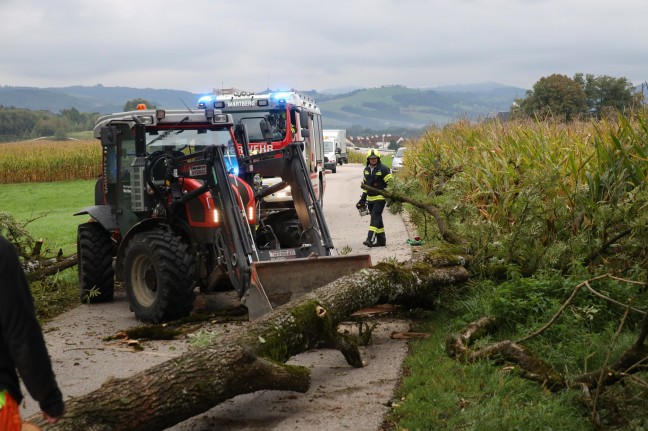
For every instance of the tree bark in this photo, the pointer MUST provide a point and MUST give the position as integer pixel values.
(38, 269)
(193, 383)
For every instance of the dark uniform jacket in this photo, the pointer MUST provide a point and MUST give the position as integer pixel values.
(376, 178)
(22, 345)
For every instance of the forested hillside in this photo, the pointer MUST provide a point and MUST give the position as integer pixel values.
(398, 106)
(100, 99)
(371, 108)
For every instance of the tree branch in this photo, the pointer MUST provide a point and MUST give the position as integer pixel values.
(446, 234)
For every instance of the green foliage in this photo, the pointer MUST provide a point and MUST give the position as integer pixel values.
(16, 232)
(52, 295)
(131, 105)
(555, 96)
(19, 124)
(440, 393)
(521, 300)
(534, 195)
(606, 93)
(56, 294)
(543, 206)
(562, 98)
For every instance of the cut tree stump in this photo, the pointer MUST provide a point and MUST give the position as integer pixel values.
(254, 359)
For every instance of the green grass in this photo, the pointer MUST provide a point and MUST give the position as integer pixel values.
(56, 294)
(82, 136)
(47, 209)
(439, 393)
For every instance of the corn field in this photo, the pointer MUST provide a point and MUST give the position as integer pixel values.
(47, 161)
(539, 194)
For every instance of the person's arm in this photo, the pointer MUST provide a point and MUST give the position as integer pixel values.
(387, 176)
(23, 336)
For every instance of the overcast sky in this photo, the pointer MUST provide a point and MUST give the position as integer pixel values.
(197, 45)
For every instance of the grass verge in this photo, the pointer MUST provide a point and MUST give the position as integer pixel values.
(440, 393)
(46, 209)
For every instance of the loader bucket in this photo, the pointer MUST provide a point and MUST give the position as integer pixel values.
(276, 282)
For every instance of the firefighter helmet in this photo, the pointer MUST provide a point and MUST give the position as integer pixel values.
(372, 153)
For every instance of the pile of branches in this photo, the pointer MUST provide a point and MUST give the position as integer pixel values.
(530, 366)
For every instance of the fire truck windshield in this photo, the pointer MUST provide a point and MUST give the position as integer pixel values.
(263, 126)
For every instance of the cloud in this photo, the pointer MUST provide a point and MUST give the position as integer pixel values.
(196, 45)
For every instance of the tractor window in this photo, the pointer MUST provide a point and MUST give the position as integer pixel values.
(186, 141)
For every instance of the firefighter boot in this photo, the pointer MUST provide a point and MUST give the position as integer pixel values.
(381, 240)
(371, 240)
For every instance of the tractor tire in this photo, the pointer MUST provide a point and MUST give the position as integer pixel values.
(94, 263)
(334, 168)
(158, 276)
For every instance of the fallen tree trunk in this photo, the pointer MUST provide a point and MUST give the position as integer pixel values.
(38, 269)
(193, 383)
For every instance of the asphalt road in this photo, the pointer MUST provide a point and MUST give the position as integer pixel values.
(340, 397)
(349, 229)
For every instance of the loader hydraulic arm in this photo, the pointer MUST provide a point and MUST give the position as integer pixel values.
(288, 163)
(233, 244)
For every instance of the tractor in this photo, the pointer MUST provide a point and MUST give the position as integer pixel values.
(177, 213)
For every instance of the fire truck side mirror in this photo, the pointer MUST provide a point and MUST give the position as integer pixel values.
(305, 133)
(241, 136)
(303, 119)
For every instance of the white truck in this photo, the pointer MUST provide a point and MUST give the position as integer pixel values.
(335, 149)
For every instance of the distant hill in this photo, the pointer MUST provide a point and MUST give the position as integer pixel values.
(398, 106)
(371, 108)
(100, 99)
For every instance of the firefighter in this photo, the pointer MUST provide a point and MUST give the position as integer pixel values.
(377, 176)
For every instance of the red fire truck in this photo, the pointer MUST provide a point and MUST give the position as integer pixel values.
(272, 121)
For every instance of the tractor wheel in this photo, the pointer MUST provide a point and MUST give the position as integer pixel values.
(94, 254)
(158, 275)
(334, 168)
